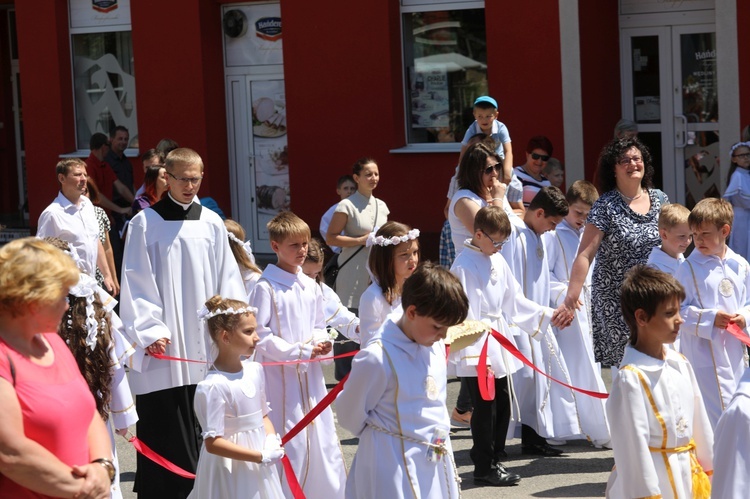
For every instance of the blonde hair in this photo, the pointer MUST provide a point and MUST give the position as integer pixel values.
(223, 322)
(33, 272)
(182, 156)
(243, 259)
(286, 224)
(714, 211)
(672, 215)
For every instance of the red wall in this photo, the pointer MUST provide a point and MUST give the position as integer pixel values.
(525, 73)
(345, 100)
(600, 76)
(743, 47)
(46, 93)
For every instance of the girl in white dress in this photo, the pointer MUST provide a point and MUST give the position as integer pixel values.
(243, 253)
(393, 258)
(240, 445)
(738, 193)
(662, 438)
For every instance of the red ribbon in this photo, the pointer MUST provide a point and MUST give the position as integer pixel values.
(147, 452)
(517, 354)
(161, 356)
(738, 333)
(485, 378)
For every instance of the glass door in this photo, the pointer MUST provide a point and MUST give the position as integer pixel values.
(669, 88)
(696, 105)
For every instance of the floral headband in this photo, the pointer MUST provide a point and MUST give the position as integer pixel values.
(204, 314)
(87, 288)
(245, 246)
(738, 144)
(373, 240)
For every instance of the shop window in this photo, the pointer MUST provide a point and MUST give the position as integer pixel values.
(103, 69)
(445, 59)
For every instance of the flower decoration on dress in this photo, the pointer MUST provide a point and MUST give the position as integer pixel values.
(246, 246)
(204, 314)
(373, 240)
(87, 288)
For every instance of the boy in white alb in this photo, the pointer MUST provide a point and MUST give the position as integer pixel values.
(662, 440)
(291, 327)
(576, 341)
(731, 478)
(547, 409)
(345, 187)
(675, 235)
(716, 281)
(394, 399)
(493, 294)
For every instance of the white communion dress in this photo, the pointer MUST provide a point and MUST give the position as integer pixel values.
(232, 406)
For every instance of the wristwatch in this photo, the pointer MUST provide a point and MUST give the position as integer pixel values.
(109, 466)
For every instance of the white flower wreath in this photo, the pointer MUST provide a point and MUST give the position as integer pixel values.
(204, 314)
(373, 240)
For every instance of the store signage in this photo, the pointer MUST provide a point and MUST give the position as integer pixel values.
(104, 5)
(268, 28)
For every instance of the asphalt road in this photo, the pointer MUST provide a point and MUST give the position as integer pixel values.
(581, 472)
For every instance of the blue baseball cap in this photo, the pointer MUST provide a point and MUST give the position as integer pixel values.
(487, 99)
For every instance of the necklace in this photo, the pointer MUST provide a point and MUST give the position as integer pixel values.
(628, 198)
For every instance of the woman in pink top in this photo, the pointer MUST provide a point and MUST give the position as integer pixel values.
(52, 440)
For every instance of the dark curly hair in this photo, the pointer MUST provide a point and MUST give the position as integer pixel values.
(95, 365)
(612, 153)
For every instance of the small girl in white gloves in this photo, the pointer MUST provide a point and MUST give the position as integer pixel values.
(240, 445)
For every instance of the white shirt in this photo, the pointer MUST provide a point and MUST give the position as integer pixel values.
(74, 223)
(325, 221)
(731, 479)
(374, 309)
(662, 261)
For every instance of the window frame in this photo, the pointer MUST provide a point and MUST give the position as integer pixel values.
(87, 30)
(410, 7)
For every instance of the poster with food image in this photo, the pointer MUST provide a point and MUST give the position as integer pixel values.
(270, 151)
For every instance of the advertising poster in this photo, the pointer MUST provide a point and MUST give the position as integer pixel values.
(252, 35)
(271, 159)
(430, 105)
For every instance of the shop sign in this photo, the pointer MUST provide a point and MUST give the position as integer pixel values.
(104, 6)
(268, 28)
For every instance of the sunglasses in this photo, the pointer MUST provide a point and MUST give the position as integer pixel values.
(543, 157)
(497, 167)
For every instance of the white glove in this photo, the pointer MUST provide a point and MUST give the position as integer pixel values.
(273, 441)
(271, 456)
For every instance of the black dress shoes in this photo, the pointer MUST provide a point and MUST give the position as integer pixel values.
(541, 450)
(497, 477)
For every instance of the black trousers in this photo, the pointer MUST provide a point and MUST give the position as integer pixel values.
(343, 366)
(463, 401)
(167, 424)
(489, 424)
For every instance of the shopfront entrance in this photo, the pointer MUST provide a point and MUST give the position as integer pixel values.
(670, 88)
(256, 117)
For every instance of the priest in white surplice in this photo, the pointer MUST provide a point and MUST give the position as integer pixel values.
(177, 256)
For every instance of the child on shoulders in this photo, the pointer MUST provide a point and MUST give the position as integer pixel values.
(394, 400)
(717, 288)
(663, 440)
(393, 258)
(675, 238)
(240, 444)
(292, 327)
(486, 122)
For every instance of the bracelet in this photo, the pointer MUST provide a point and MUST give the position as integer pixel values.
(109, 466)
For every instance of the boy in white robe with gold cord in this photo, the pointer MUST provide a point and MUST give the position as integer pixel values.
(662, 438)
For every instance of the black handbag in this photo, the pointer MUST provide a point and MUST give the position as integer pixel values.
(331, 270)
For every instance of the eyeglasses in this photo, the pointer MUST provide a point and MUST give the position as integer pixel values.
(183, 180)
(497, 244)
(744, 155)
(627, 160)
(543, 157)
(497, 167)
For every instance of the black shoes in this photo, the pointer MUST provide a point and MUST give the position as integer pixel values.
(497, 477)
(544, 449)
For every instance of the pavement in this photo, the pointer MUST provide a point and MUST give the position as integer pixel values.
(581, 472)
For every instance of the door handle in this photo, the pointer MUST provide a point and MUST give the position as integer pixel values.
(681, 133)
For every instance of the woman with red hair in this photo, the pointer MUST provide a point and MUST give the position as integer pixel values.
(155, 185)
